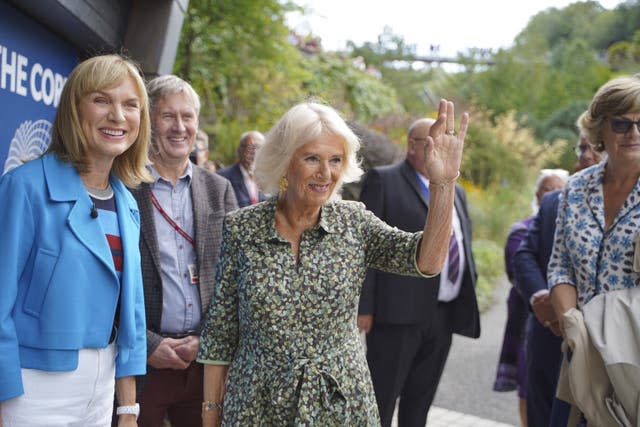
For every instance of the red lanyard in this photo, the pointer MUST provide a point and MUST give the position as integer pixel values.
(171, 222)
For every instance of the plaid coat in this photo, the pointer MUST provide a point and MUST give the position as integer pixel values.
(213, 197)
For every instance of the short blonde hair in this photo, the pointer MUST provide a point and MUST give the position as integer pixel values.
(616, 97)
(304, 123)
(68, 140)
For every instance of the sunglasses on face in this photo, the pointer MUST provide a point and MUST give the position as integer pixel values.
(581, 149)
(623, 125)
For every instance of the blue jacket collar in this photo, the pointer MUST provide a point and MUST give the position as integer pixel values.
(64, 183)
(62, 178)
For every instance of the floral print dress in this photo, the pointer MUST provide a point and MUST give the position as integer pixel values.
(288, 327)
(584, 255)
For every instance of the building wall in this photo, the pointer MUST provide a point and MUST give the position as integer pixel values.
(42, 40)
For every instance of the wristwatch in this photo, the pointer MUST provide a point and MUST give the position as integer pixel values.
(129, 410)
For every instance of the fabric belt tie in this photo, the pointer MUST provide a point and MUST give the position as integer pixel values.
(307, 381)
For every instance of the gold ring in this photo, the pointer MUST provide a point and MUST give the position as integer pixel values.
(451, 132)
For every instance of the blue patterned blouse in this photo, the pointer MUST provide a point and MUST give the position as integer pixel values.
(584, 255)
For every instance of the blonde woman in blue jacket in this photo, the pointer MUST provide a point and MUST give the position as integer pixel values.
(72, 325)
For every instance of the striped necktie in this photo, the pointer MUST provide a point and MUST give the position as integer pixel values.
(453, 271)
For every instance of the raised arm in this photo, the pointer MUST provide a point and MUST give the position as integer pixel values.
(443, 154)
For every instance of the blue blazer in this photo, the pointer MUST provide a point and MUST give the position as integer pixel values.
(234, 175)
(59, 288)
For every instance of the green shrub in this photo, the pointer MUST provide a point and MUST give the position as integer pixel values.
(490, 265)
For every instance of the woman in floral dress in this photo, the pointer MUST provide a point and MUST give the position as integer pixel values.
(280, 344)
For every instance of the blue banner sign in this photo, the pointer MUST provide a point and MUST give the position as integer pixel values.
(34, 65)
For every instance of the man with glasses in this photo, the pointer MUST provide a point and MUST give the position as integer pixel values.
(410, 320)
(543, 336)
(241, 173)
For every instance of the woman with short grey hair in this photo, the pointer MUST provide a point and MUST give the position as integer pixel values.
(282, 325)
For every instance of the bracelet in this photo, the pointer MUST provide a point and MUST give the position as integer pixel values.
(210, 406)
(129, 410)
(443, 185)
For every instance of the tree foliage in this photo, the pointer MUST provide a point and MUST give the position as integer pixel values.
(239, 56)
(249, 68)
(548, 77)
(394, 60)
(624, 56)
(354, 91)
(502, 151)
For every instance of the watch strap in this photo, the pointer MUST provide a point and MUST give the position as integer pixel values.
(129, 410)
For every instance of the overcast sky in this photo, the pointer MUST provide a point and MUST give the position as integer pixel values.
(453, 25)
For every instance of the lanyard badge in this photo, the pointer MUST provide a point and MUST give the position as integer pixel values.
(193, 274)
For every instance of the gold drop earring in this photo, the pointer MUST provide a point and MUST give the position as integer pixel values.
(283, 184)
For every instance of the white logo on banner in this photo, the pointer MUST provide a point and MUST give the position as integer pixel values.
(29, 142)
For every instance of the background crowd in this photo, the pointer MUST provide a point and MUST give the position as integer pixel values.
(142, 287)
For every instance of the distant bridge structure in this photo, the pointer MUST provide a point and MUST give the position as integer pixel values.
(437, 59)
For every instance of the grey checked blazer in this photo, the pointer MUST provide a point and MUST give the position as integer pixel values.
(213, 197)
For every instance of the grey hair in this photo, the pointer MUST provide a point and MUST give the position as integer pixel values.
(618, 96)
(304, 123)
(545, 173)
(163, 86)
(252, 134)
(160, 88)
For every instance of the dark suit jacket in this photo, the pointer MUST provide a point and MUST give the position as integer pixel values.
(234, 174)
(394, 194)
(530, 262)
(533, 255)
(212, 197)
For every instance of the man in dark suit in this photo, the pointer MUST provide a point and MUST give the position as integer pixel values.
(543, 336)
(181, 215)
(410, 320)
(241, 173)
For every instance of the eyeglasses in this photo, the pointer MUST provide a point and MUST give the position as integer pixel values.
(582, 148)
(249, 147)
(623, 125)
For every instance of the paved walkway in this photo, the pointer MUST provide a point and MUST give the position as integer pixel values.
(440, 417)
(467, 383)
(470, 372)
